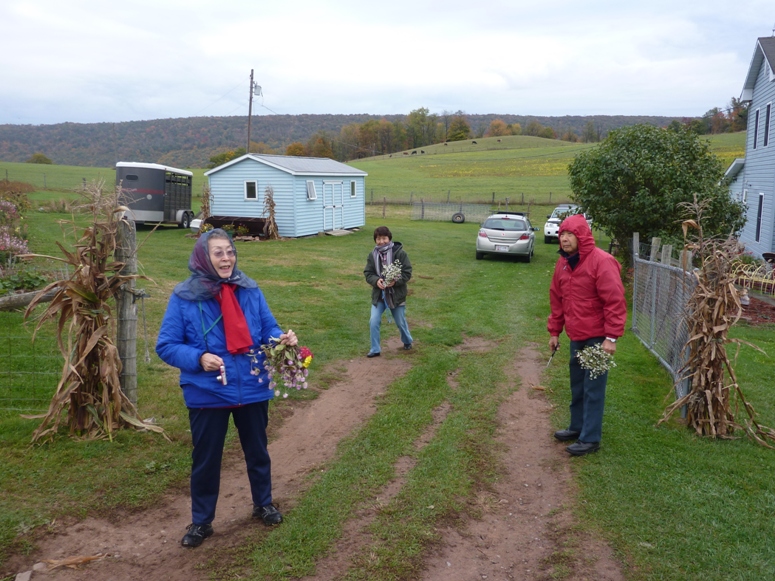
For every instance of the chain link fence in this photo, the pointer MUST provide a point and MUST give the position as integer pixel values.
(661, 289)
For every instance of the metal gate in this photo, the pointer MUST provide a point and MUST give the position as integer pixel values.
(333, 206)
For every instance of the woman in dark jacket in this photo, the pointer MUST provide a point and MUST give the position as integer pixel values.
(390, 295)
(214, 326)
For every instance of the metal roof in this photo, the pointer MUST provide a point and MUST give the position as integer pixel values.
(152, 166)
(301, 166)
(765, 48)
(735, 168)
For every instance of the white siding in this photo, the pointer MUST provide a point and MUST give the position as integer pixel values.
(758, 175)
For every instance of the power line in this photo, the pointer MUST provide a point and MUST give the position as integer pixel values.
(241, 83)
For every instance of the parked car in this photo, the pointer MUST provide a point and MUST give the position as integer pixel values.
(506, 233)
(552, 226)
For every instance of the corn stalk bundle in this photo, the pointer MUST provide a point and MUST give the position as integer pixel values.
(714, 307)
(89, 389)
(269, 212)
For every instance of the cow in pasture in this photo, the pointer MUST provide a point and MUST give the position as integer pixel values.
(499, 141)
(445, 144)
(414, 152)
(422, 151)
(473, 143)
(406, 153)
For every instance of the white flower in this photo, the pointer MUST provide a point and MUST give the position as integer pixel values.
(595, 360)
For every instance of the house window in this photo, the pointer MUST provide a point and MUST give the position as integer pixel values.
(311, 193)
(251, 191)
(744, 197)
(759, 217)
(767, 125)
(755, 128)
(352, 189)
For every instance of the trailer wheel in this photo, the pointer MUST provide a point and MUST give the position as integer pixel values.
(185, 222)
(458, 218)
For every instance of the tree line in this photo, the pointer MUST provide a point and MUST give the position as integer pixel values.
(193, 141)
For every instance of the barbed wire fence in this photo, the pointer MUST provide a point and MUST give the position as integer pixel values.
(663, 282)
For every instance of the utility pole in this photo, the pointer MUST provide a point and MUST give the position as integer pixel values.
(250, 110)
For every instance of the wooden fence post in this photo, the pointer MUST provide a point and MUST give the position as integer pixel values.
(126, 327)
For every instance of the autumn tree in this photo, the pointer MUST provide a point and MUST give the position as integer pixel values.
(39, 158)
(420, 127)
(226, 156)
(590, 134)
(515, 128)
(320, 145)
(497, 128)
(296, 149)
(459, 128)
(638, 176)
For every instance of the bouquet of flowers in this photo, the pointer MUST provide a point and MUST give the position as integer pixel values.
(288, 364)
(595, 360)
(392, 272)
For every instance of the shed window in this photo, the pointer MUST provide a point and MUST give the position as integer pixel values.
(759, 217)
(767, 125)
(744, 197)
(755, 128)
(251, 191)
(131, 177)
(352, 189)
(311, 193)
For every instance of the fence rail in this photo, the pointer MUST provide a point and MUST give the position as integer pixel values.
(660, 294)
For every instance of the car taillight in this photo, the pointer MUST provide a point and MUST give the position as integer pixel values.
(482, 234)
(525, 237)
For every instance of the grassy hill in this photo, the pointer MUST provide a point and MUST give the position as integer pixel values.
(520, 168)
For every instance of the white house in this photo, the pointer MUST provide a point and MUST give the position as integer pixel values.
(752, 179)
(311, 194)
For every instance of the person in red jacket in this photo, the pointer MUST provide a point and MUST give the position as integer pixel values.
(587, 300)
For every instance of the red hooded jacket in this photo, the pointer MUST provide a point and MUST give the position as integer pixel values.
(587, 300)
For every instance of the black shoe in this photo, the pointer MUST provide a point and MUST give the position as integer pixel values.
(269, 513)
(565, 435)
(407, 346)
(370, 355)
(196, 535)
(582, 448)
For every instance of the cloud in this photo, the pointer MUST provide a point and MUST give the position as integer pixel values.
(86, 61)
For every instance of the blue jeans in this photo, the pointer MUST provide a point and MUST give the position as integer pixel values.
(587, 396)
(208, 432)
(399, 316)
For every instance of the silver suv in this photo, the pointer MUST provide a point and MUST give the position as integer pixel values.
(507, 233)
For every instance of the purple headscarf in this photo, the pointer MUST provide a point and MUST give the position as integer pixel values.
(205, 282)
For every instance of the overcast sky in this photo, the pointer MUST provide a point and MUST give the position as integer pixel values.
(96, 61)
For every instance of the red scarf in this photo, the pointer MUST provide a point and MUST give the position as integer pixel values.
(238, 338)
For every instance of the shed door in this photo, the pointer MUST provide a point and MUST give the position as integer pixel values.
(333, 205)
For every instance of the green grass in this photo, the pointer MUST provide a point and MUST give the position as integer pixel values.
(673, 506)
(66, 178)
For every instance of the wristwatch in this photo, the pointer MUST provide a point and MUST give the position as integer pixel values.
(611, 339)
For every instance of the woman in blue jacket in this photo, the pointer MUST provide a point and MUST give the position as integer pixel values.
(215, 323)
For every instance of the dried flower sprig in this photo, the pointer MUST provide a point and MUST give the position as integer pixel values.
(595, 360)
(288, 364)
(392, 272)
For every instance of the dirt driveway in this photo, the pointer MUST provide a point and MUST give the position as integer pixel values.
(527, 530)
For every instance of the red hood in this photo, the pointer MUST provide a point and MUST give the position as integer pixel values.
(577, 225)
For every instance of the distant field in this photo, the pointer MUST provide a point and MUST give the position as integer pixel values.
(69, 177)
(519, 168)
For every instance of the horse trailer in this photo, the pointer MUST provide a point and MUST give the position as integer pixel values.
(155, 193)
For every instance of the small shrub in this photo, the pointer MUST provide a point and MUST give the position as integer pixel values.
(228, 228)
(20, 279)
(241, 230)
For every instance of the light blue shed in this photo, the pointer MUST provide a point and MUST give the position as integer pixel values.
(752, 179)
(311, 194)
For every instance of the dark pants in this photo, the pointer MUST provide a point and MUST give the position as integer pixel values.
(208, 432)
(587, 396)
